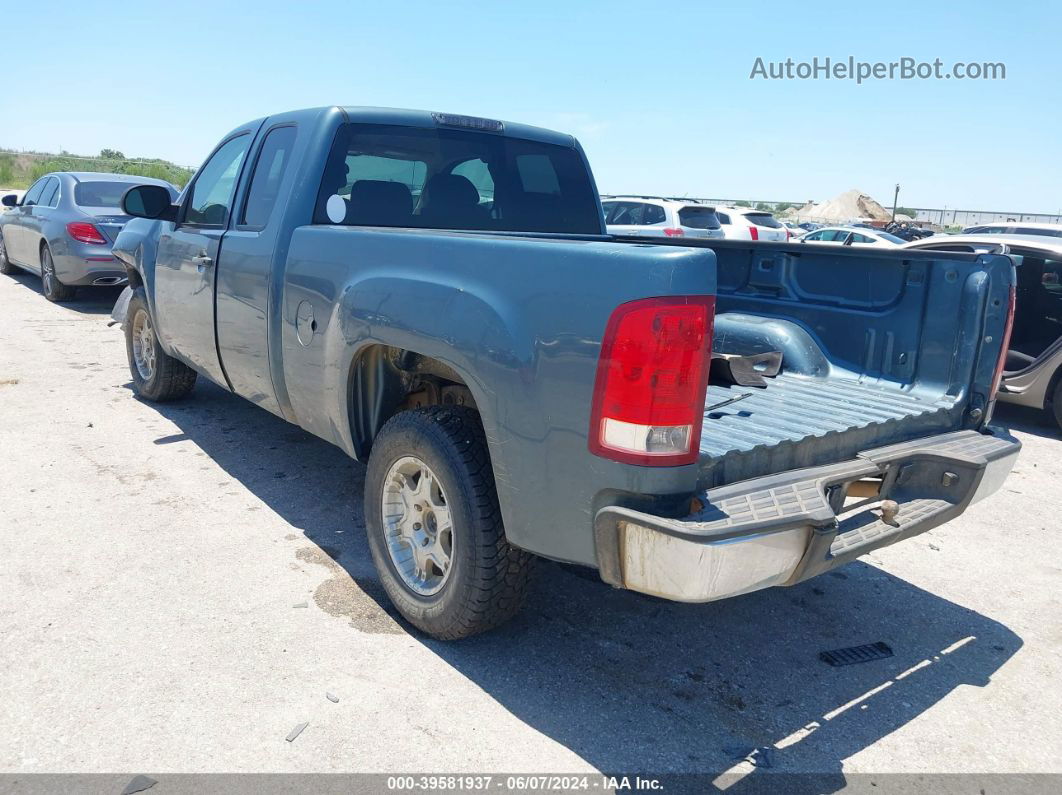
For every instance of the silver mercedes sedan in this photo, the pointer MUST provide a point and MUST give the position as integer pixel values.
(63, 228)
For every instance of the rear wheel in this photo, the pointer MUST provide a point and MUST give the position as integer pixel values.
(6, 266)
(54, 290)
(157, 376)
(434, 526)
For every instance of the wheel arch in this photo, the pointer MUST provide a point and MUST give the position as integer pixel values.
(384, 380)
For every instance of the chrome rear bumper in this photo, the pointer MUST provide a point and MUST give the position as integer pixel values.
(783, 529)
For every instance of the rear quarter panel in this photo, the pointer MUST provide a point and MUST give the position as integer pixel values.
(519, 319)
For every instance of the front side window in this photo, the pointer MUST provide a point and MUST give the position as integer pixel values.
(33, 195)
(210, 200)
(268, 173)
(383, 175)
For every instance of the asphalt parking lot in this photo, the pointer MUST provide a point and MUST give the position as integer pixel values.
(183, 584)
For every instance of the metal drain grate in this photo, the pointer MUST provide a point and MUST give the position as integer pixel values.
(856, 654)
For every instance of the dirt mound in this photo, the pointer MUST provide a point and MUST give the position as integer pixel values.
(848, 206)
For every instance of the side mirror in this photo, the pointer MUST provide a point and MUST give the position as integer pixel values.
(149, 201)
(9, 200)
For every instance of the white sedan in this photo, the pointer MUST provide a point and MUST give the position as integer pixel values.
(852, 236)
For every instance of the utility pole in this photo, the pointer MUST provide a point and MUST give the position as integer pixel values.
(895, 198)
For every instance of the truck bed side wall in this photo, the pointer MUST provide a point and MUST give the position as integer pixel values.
(520, 320)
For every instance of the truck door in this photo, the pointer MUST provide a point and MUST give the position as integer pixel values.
(187, 259)
(244, 280)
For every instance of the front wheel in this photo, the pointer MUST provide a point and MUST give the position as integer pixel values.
(434, 526)
(7, 267)
(157, 376)
(54, 290)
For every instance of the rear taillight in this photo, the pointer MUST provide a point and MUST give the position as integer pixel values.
(85, 232)
(675, 232)
(997, 379)
(754, 233)
(648, 404)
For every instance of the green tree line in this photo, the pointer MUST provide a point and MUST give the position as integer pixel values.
(22, 170)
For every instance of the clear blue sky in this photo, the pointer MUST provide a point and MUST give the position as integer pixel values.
(659, 95)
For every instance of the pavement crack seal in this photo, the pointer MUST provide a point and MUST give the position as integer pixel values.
(360, 599)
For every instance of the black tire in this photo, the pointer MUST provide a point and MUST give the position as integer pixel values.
(488, 578)
(7, 267)
(168, 378)
(54, 290)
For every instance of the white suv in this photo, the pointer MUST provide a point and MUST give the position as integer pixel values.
(747, 223)
(653, 216)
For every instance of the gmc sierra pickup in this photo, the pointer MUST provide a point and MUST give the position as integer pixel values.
(436, 295)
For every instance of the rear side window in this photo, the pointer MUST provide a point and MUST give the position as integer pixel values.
(763, 219)
(268, 173)
(723, 217)
(438, 178)
(699, 218)
(50, 194)
(633, 214)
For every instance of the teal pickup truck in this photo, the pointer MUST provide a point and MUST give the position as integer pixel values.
(436, 295)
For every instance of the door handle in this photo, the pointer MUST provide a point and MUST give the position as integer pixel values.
(202, 261)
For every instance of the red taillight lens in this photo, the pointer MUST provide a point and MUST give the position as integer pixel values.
(648, 404)
(85, 233)
(754, 233)
(676, 232)
(997, 380)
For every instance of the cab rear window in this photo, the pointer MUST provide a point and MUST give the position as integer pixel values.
(385, 175)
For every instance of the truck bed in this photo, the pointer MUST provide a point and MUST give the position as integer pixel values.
(878, 347)
(799, 421)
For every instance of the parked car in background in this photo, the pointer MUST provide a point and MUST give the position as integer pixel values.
(1032, 373)
(1015, 228)
(849, 236)
(651, 216)
(532, 387)
(794, 229)
(810, 226)
(64, 227)
(746, 223)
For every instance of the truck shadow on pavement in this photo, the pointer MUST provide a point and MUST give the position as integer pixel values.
(631, 683)
(87, 300)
